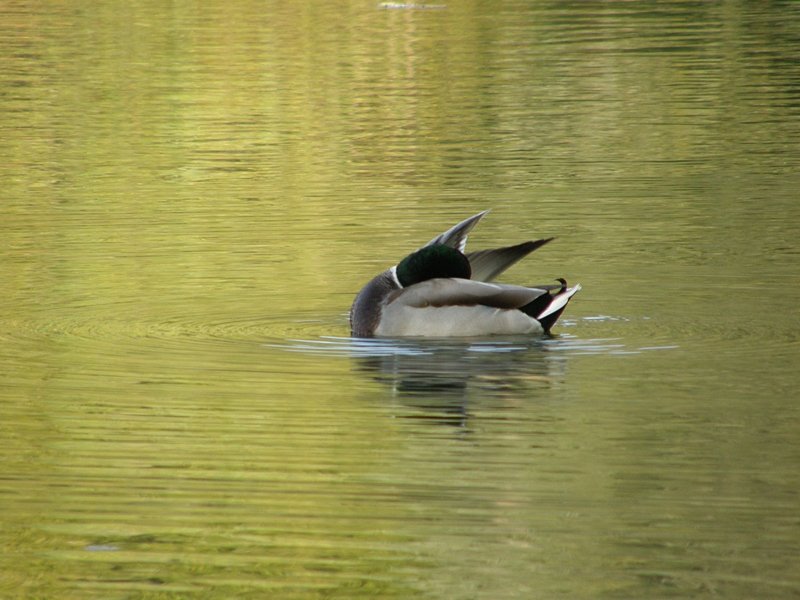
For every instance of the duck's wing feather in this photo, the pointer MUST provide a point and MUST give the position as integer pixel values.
(488, 264)
(456, 237)
(442, 292)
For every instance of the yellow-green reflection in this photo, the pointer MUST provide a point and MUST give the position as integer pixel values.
(192, 195)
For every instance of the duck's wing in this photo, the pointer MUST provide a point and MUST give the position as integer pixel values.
(456, 237)
(458, 308)
(443, 292)
(461, 307)
(488, 264)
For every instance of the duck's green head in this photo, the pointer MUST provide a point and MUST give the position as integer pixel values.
(432, 262)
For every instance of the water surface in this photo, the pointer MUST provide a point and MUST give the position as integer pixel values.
(194, 193)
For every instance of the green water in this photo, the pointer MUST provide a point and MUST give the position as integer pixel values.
(192, 195)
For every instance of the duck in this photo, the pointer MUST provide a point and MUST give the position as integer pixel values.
(439, 291)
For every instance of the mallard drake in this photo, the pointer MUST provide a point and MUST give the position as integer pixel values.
(438, 291)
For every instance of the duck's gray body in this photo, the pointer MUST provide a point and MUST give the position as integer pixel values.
(458, 306)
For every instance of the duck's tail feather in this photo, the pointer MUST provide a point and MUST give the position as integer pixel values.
(547, 308)
(488, 264)
(456, 237)
(550, 315)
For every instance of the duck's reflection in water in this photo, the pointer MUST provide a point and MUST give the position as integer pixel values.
(443, 379)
